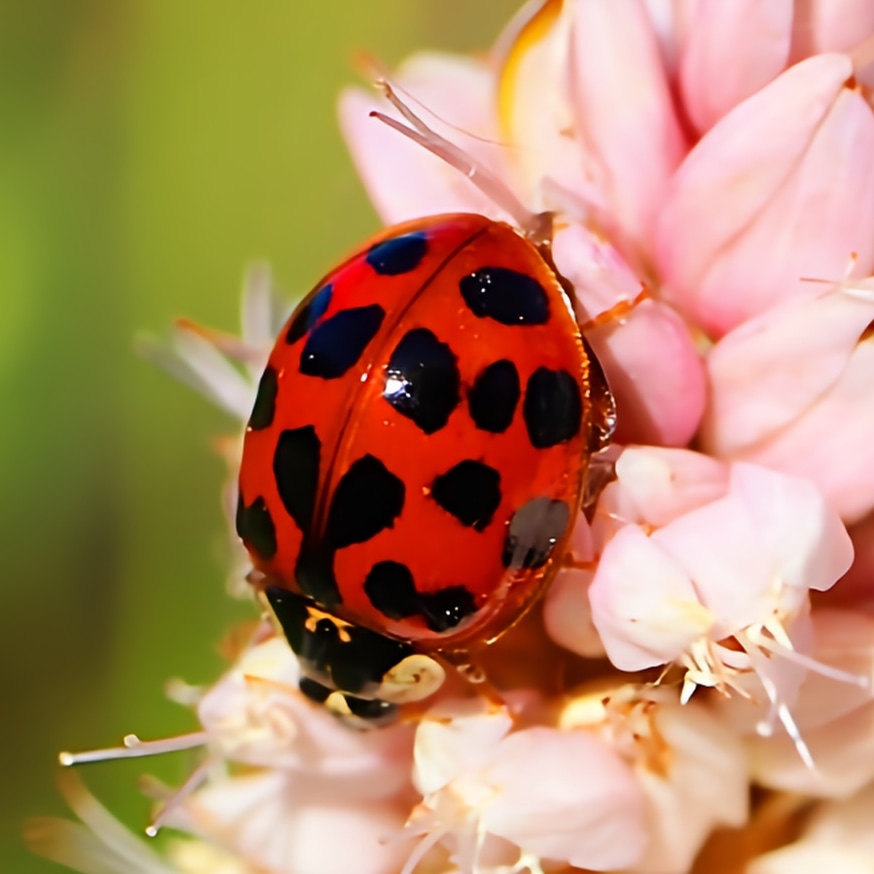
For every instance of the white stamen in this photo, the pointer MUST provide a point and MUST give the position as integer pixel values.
(134, 748)
(192, 782)
(811, 664)
(421, 849)
(859, 292)
(779, 710)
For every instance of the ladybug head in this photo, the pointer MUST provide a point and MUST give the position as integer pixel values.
(359, 675)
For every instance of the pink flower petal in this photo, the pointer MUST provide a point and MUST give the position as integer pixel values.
(714, 75)
(843, 641)
(644, 604)
(256, 715)
(625, 113)
(803, 857)
(768, 372)
(565, 795)
(702, 785)
(842, 750)
(270, 820)
(649, 357)
(403, 179)
(655, 373)
(757, 551)
(567, 614)
(670, 20)
(856, 588)
(846, 822)
(448, 743)
(840, 426)
(831, 26)
(654, 486)
(782, 188)
(534, 108)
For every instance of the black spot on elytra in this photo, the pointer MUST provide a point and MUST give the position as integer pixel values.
(255, 527)
(506, 296)
(553, 407)
(265, 400)
(470, 491)
(337, 343)
(494, 395)
(533, 532)
(305, 318)
(422, 380)
(445, 608)
(296, 470)
(368, 498)
(399, 255)
(392, 590)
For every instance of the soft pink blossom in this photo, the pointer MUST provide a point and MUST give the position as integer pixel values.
(618, 90)
(272, 821)
(660, 398)
(837, 837)
(791, 390)
(255, 715)
(690, 765)
(831, 26)
(714, 76)
(405, 182)
(719, 588)
(560, 795)
(709, 168)
(790, 182)
(856, 590)
(835, 716)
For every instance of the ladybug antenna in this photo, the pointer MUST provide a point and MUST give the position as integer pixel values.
(536, 226)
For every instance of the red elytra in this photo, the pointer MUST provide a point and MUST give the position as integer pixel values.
(416, 456)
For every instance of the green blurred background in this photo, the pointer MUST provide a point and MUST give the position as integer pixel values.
(149, 150)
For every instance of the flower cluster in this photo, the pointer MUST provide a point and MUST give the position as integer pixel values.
(719, 158)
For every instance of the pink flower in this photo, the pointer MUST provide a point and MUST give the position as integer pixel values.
(537, 793)
(689, 765)
(835, 718)
(709, 168)
(791, 390)
(790, 171)
(837, 837)
(709, 571)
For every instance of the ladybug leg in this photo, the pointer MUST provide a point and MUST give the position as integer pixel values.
(599, 474)
(617, 312)
(475, 675)
(602, 401)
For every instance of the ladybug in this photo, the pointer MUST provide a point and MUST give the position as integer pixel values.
(416, 457)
